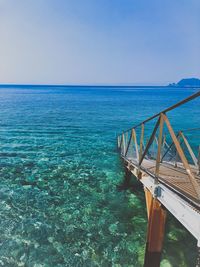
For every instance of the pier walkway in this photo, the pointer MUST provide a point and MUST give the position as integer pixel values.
(167, 163)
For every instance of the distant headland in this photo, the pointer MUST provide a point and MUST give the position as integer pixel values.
(189, 82)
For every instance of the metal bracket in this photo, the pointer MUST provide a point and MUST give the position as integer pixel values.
(157, 191)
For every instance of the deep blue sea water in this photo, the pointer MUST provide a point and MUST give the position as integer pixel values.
(59, 169)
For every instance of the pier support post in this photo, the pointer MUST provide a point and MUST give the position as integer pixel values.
(127, 176)
(155, 233)
(127, 179)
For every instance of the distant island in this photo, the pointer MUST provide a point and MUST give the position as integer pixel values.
(189, 82)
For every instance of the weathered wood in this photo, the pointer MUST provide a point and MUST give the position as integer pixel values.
(149, 198)
(155, 234)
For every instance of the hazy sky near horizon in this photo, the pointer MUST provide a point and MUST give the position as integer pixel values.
(99, 41)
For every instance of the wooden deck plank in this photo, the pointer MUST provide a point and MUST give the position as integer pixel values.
(175, 177)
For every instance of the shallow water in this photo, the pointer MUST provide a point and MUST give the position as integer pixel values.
(59, 170)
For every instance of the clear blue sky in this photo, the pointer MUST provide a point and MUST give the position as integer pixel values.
(99, 41)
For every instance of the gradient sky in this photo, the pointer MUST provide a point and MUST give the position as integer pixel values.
(99, 41)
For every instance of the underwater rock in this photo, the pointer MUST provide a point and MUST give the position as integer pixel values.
(113, 228)
(27, 183)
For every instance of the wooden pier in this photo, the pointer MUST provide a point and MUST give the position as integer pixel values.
(168, 166)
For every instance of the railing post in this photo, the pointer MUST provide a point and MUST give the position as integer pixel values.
(158, 158)
(118, 141)
(123, 144)
(128, 144)
(135, 142)
(126, 140)
(121, 140)
(141, 141)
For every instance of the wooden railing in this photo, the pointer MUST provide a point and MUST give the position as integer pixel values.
(133, 141)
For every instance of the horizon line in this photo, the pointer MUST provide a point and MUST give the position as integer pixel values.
(85, 85)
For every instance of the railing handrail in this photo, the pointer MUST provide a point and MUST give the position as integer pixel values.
(191, 97)
(190, 129)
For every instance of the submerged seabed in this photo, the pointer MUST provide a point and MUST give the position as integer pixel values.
(59, 170)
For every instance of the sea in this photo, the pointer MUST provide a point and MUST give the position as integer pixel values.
(60, 170)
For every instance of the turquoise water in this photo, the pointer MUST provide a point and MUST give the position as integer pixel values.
(59, 170)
